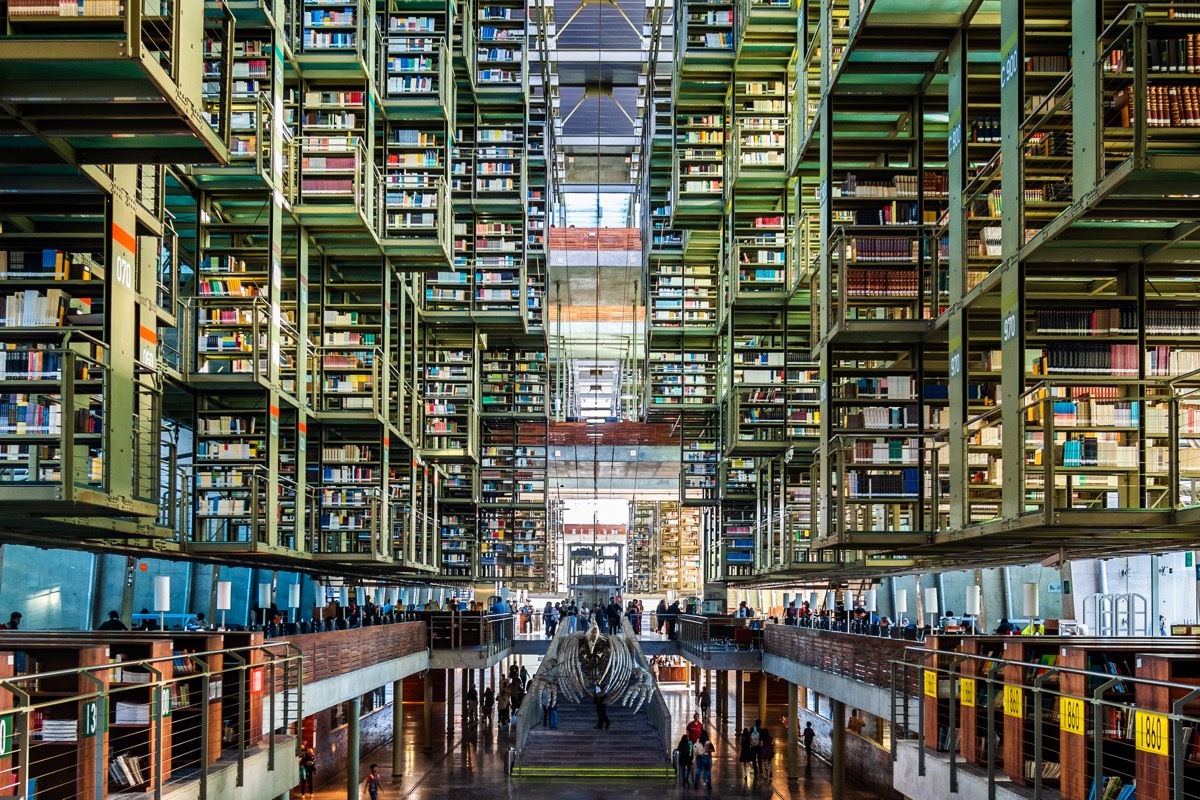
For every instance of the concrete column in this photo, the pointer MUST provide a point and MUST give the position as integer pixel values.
(762, 697)
(397, 729)
(793, 733)
(428, 726)
(837, 710)
(482, 686)
(353, 747)
(737, 699)
(449, 702)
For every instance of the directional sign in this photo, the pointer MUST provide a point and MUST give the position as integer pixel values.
(966, 691)
(1152, 732)
(1014, 705)
(93, 717)
(1070, 712)
(7, 735)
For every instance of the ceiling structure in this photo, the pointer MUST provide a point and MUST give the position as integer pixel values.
(598, 58)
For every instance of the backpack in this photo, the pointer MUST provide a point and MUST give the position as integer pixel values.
(755, 741)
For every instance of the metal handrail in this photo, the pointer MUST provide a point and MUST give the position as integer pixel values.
(988, 670)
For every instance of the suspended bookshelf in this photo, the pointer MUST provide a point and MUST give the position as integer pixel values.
(351, 470)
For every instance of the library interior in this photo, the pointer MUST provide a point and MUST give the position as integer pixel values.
(596, 398)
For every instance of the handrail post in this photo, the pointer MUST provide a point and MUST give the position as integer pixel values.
(1038, 730)
(1177, 758)
(1098, 732)
(23, 735)
(241, 728)
(162, 707)
(992, 673)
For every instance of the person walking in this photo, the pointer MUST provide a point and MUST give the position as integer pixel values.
(767, 753)
(745, 753)
(704, 701)
(809, 734)
(602, 720)
(489, 700)
(472, 705)
(544, 698)
(553, 714)
(756, 745)
(704, 751)
(503, 698)
(374, 782)
(694, 729)
(308, 771)
(684, 754)
(660, 616)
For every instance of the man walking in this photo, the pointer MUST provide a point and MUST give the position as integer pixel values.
(602, 720)
(809, 733)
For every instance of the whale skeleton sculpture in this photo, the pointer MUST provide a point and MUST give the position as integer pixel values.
(592, 663)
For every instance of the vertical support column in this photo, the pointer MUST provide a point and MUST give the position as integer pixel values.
(793, 734)
(127, 590)
(838, 755)
(428, 727)
(762, 697)
(449, 702)
(1086, 136)
(353, 747)
(1155, 595)
(957, 179)
(1012, 375)
(397, 730)
(737, 698)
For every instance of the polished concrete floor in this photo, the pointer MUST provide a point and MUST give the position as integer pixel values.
(471, 766)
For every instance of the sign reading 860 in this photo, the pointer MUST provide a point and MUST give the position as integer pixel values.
(1152, 732)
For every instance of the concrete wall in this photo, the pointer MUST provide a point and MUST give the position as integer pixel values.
(331, 745)
(74, 590)
(867, 763)
(1179, 589)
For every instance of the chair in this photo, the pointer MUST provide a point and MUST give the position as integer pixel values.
(743, 638)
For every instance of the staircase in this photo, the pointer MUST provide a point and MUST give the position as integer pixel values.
(633, 747)
(629, 748)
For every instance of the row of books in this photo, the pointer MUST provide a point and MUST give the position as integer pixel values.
(65, 8)
(128, 770)
(882, 283)
(1121, 320)
(54, 264)
(1048, 63)
(927, 183)
(1090, 359)
(869, 485)
(1166, 107)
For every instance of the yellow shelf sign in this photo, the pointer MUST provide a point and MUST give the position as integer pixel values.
(966, 691)
(930, 683)
(1152, 732)
(1014, 705)
(1070, 712)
